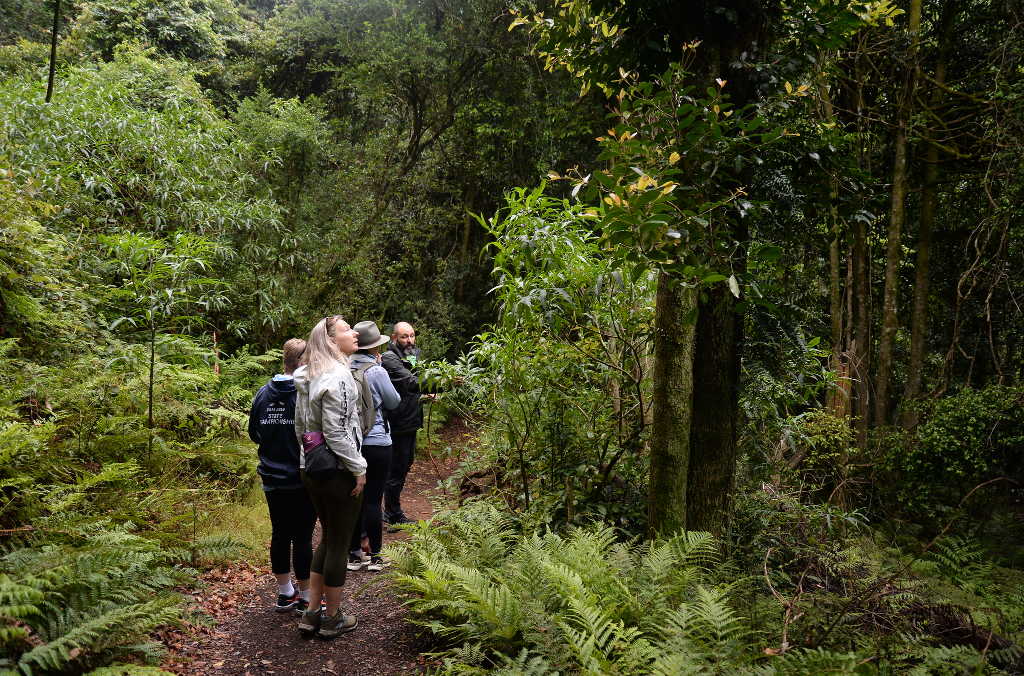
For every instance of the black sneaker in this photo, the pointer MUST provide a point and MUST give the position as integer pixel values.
(286, 603)
(377, 563)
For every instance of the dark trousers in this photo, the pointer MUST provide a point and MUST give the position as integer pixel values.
(292, 519)
(338, 510)
(378, 462)
(403, 452)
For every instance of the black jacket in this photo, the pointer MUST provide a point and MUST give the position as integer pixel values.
(408, 417)
(272, 426)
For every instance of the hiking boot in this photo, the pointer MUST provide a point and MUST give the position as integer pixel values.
(286, 603)
(303, 606)
(377, 563)
(310, 622)
(332, 627)
(356, 561)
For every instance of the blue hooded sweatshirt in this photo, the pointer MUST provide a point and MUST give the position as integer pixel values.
(272, 426)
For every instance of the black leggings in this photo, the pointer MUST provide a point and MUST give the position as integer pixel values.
(338, 511)
(292, 519)
(378, 462)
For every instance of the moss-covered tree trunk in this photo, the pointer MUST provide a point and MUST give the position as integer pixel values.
(716, 371)
(673, 396)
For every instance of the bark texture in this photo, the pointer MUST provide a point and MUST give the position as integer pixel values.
(716, 371)
(897, 216)
(673, 397)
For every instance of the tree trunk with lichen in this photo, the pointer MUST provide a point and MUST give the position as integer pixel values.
(673, 399)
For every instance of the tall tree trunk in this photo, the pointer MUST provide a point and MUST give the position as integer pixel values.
(929, 199)
(859, 301)
(894, 244)
(860, 346)
(673, 399)
(893, 256)
(716, 371)
(838, 397)
(53, 50)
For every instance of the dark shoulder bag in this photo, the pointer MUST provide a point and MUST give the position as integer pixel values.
(320, 460)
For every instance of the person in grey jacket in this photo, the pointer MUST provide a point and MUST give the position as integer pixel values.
(376, 445)
(326, 406)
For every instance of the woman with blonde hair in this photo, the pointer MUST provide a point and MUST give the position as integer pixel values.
(333, 470)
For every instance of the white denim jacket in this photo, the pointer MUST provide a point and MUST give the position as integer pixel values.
(329, 404)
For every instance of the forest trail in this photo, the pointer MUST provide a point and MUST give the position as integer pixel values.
(249, 638)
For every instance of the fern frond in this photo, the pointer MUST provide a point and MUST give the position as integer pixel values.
(801, 662)
(106, 629)
(947, 660)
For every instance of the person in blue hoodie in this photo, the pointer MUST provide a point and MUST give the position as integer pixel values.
(292, 515)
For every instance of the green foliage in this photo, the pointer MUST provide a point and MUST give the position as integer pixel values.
(85, 602)
(583, 602)
(133, 146)
(964, 440)
(198, 30)
(37, 295)
(563, 374)
(618, 608)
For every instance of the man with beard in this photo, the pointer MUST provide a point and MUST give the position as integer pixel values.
(400, 361)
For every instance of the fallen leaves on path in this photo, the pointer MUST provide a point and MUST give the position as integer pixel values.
(235, 631)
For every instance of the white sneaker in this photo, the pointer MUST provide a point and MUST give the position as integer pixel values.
(377, 563)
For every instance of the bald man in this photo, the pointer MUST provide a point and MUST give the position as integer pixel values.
(400, 361)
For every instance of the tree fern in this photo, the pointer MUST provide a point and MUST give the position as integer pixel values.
(603, 645)
(100, 630)
(963, 562)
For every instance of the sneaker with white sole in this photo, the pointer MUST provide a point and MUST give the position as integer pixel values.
(377, 563)
(286, 602)
(358, 561)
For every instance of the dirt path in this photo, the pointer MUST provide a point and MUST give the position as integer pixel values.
(249, 638)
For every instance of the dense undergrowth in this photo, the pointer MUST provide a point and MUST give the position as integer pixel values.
(98, 530)
(812, 592)
(901, 557)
